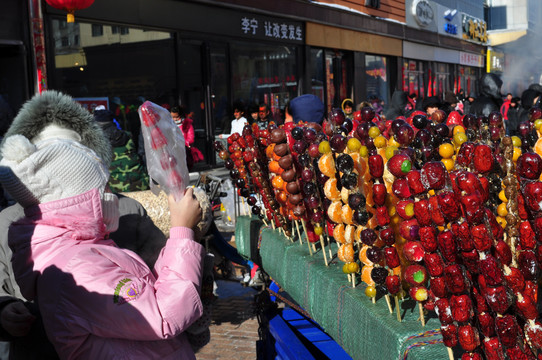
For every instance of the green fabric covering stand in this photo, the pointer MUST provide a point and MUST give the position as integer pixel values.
(365, 330)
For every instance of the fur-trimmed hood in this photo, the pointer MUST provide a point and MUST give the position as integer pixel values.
(54, 108)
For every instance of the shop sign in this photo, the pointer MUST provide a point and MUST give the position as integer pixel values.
(469, 59)
(271, 29)
(474, 29)
(448, 21)
(423, 12)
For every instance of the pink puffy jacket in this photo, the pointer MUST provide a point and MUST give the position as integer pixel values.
(99, 301)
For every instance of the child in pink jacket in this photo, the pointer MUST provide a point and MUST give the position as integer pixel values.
(97, 301)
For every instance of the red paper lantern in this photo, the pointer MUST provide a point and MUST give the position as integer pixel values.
(70, 6)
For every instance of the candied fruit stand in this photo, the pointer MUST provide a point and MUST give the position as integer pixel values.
(365, 330)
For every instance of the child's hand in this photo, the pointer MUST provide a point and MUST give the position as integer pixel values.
(186, 212)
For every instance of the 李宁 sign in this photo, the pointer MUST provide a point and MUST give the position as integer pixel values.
(268, 28)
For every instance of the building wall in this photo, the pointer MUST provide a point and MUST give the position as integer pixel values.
(389, 9)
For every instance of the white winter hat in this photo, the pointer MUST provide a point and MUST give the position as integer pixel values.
(52, 169)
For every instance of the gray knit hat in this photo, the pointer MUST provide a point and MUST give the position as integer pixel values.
(54, 109)
(52, 169)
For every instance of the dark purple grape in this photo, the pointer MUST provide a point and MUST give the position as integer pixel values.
(234, 173)
(317, 217)
(368, 237)
(404, 134)
(349, 180)
(419, 121)
(495, 133)
(336, 116)
(229, 163)
(338, 143)
(470, 122)
(424, 136)
(379, 274)
(299, 146)
(218, 146)
(309, 135)
(356, 201)
(240, 183)
(363, 130)
(396, 124)
(307, 175)
(344, 163)
(524, 128)
(347, 125)
(367, 114)
(297, 133)
(309, 188)
(374, 254)
(255, 210)
(442, 130)
(361, 217)
(252, 200)
(495, 119)
(271, 127)
(312, 202)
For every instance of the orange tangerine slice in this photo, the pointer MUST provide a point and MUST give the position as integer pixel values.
(274, 167)
(344, 195)
(357, 233)
(349, 234)
(346, 253)
(359, 164)
(347, 214)
(326, 164)
(330, 189)
(338, 233)
(366, 275)
(363, 256)
(334, 211)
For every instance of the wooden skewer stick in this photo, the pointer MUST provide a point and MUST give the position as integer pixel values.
(298, 232)
(422, 315)
(397, 308)
(353, 280)
(329, 247)
(323, 249)
(373, 299)
(313, 247)
(387, 297)
(306, 235)
(450, 353)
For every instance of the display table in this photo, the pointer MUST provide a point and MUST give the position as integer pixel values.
(364, 330)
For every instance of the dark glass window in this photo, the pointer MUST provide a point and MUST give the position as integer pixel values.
(496, 17)
(141, 68)
(114, 29)
(264, 74)
(97, 30)
(124, 30)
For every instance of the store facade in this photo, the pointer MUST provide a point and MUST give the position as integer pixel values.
(206, 55)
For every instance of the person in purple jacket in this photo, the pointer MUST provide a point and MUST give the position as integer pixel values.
(97, 301)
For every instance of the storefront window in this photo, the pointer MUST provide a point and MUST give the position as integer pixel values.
(413, 78)
(317, 73)
(467, 79)
(264, 74)
(119, 69)
(376, 70)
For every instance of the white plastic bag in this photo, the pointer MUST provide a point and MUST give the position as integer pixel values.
(164, 150)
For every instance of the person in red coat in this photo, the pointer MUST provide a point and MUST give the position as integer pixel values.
(183, 119)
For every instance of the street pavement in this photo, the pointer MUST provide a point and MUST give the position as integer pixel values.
(234, 328)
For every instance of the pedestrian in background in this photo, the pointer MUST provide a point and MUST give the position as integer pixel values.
(183, 119)
(127, 172)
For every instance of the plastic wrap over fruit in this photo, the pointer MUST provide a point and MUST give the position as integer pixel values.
(164, 150)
